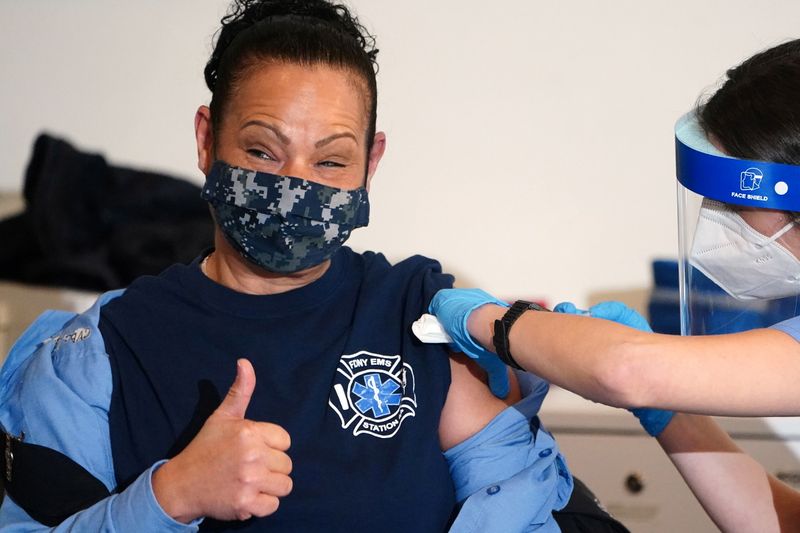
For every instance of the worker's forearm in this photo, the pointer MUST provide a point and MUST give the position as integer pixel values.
(731, 486)
(617, 365)
(588, 356)
(613, 364)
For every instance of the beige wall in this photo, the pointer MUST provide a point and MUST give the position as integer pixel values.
(530, 144)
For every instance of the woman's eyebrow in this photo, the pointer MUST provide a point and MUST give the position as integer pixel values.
(274, 129)
(331, 138)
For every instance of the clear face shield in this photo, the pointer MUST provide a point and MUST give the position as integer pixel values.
(739, 237)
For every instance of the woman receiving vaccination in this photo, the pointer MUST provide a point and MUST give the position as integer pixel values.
(123, 418)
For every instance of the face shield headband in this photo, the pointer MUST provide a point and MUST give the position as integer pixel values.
(703, 169)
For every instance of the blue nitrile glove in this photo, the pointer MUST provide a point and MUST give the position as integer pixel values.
(653, 420)
(452, 307)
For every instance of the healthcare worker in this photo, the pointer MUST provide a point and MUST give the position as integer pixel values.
(738, 167)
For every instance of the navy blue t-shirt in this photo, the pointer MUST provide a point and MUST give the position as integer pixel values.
(336, 365)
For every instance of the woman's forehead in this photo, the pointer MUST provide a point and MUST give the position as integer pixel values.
(292, 92)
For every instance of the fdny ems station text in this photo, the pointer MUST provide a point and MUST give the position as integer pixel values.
(363, 362)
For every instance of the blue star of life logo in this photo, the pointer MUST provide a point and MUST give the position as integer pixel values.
(373, 393)
(376, 395)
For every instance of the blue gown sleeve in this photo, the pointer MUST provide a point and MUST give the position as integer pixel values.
(790, 327)
(55, 387)
(510, 475)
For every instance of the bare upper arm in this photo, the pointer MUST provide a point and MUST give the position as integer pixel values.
(753, 373)
(470, 405)
(787, 504)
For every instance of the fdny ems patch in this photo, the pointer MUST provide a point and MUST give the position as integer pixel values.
(373, 393)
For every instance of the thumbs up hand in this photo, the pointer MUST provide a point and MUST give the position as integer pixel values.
(233, 469)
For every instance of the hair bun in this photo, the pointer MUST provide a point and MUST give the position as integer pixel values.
(244, 14)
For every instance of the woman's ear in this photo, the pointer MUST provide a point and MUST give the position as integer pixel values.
(204, 135)
(375, 155)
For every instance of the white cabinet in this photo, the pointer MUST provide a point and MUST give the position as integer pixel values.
(633, 477)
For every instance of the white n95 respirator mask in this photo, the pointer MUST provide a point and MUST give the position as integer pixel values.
(741, 261)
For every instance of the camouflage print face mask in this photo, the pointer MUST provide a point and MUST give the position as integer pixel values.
(281, 223)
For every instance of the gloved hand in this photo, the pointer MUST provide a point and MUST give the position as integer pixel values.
(653, 420)
(452, 307)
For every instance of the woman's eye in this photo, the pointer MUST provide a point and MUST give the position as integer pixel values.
(260, 154)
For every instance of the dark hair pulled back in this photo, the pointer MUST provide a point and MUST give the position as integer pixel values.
(305, 32)
(756, 112)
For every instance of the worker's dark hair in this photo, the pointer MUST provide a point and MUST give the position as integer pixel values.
(305, 32)
(755, 114)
